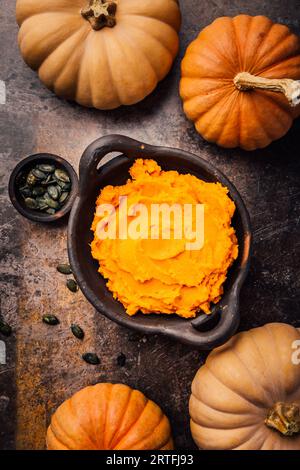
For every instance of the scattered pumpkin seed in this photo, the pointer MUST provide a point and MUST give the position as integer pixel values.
(5, 328)
(31, 203)
(72, 285)
(64, 269)
(77, 331)
(121, 360)
(46, 167)
(50, 320)
(91, 358)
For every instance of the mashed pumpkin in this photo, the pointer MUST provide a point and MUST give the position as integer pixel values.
(159, 275)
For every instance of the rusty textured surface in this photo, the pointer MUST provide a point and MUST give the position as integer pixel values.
(44, 365)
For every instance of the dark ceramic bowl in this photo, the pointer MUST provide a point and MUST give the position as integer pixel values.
(205, 331)
(25, 165)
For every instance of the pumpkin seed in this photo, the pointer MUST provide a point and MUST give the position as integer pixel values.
(64, 196)
(61, 175)
(121, 360)
(51, 320)
(64, 269)
(20, 179)
(50, 202)
(64, 186)
(40, 175)
(53, 192)
(77, 331)
(31, 203)
(49, 180)
(46, 167)
(38, 191)
(31, 179)
(72, 285)
(91, 358)
(50, 211)
(41, 203)
(25, 191)
(5, 329)
(40, 199)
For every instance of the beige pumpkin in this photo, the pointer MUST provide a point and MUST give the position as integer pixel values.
(247, 395)
(99, 53)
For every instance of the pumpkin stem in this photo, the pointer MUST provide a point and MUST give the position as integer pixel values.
(285, 418)
(100, 13)
(244, 81)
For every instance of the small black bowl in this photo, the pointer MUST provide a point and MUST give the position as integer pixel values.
(25, 165)
(204, 331)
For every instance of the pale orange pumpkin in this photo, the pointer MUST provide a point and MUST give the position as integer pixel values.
(109, 417)
(247, 395)
(99, 53)
(240, 83)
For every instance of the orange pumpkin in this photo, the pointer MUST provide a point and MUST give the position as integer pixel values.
(99, 53)
(239, 81)
(109, 417)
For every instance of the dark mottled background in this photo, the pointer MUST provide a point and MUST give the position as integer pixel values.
(44, 366)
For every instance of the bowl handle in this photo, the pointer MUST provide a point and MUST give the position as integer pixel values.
(227, 317)
(95, 152)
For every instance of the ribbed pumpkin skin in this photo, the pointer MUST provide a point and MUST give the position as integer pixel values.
(102, 69)
(223, 114)
(240, 382)
(109, 417)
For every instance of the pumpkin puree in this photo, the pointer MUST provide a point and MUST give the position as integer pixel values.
(162, 276)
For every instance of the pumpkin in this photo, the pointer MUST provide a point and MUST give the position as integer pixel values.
(239, 81)
(99, 53)
(109, 417)
(247, 395)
